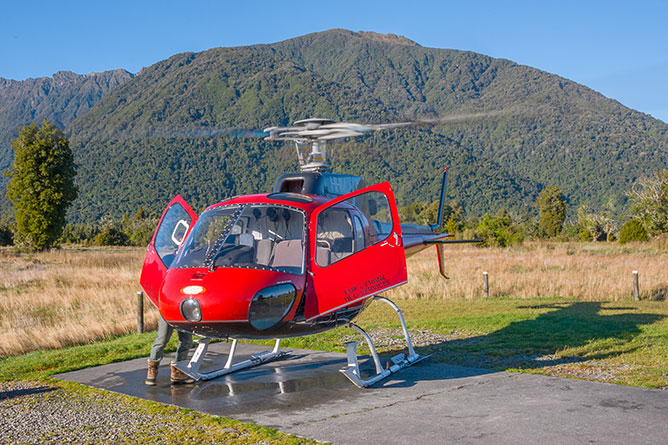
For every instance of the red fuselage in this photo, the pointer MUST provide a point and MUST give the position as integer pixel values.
(276, 265)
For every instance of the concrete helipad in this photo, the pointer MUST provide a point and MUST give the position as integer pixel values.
(305, 394)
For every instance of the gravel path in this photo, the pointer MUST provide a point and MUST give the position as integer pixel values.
(34, 413)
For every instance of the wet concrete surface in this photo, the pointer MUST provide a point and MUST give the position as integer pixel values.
(305, 394)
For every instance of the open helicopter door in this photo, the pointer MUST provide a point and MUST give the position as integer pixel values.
(350, 259)
(174, 225)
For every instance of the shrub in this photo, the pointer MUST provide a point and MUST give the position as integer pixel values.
(632, 230)
(111, 236)
(499, 230)
(452, 226)
(142, 236)
(585, 235)
(572, 231)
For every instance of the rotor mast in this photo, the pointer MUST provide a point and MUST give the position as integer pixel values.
(306, 132)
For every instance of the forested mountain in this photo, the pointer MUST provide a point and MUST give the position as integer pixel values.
(515, 129)
(59, 98)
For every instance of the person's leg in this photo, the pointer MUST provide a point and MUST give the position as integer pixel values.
(157, 351)
(185, 342)
(158, 348)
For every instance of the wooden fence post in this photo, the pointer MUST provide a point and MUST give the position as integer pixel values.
(485, 284)
(140, 312)
(636, 288)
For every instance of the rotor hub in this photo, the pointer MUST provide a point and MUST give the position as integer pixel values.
(316, 132)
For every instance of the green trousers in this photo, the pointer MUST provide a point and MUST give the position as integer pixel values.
(164, 333)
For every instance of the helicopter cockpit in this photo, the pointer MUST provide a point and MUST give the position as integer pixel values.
(258, 236)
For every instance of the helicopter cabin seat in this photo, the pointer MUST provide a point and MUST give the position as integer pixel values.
(263, 252)
(275, 227)
(263, 226)
(288, 253)
(334, 237)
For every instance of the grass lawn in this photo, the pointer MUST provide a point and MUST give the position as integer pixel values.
(621, 342)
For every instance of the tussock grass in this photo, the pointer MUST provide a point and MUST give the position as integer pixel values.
(74, 296)
(68, 296)
(585, 271)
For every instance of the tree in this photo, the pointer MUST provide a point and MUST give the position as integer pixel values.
(41, 184)
(596, 226)
(632, 230)
(499, 230)
(650, 202)
(551, 210)
(6, 232)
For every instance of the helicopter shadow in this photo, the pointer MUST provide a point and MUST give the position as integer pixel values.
(20, 392)
(534, 343)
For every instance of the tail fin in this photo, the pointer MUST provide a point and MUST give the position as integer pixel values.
(441, 205)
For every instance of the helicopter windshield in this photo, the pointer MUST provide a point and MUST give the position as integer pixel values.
(259, 236)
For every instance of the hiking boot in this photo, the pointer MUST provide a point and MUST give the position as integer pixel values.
(179, 377)
(152, 373)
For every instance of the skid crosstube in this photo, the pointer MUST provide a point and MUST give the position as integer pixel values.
(191, 368)
(400, 361)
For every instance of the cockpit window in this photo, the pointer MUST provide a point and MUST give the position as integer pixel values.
(261, 236)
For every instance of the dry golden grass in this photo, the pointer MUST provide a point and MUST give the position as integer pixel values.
(586, 271)
(68, 296)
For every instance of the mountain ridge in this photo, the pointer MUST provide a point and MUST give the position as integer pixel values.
(532, 128)
(60, 98)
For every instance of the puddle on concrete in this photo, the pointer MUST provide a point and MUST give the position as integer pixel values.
(297, 382)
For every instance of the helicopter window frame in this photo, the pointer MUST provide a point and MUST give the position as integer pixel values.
(162, 249)
(330, 243)
(240, 219)
(359, 235)
(378, 232)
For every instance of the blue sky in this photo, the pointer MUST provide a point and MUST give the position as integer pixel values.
(619, 48)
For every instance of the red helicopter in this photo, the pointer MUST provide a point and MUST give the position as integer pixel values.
(308, 257)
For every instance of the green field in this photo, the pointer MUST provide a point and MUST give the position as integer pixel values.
(623, 342)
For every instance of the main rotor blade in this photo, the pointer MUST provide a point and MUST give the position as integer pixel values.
(316, 129)
(311, 130)
(188, 133)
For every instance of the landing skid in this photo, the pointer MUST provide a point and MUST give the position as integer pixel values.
(352, 371)
(400, 361)
(191, 368)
